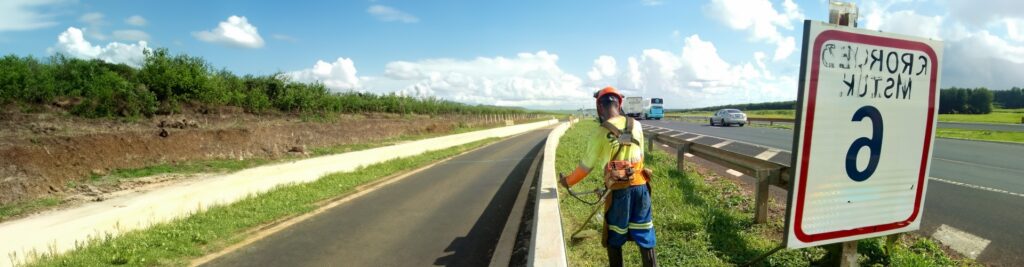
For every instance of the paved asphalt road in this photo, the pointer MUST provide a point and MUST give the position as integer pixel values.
(958, 125)
(979, 209)
(451, 214)
(983, 126)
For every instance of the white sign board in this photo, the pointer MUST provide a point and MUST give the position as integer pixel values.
(863, 145)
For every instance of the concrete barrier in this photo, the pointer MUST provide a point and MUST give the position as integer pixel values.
(547, 247)
(59, 231)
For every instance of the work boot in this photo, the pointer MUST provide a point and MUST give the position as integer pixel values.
(648, 256)
(615, 257)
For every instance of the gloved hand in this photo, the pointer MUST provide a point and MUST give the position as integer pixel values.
(562, 181)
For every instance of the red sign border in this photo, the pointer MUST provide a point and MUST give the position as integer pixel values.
(828, 35)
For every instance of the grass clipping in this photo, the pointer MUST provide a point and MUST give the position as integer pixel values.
(178, 241)
(705, 222)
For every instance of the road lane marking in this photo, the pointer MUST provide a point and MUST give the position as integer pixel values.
(967, 244)
(734, 172)
(694, 138)
(767, 154)
(674, 135)
(724, 143)
(977, 187)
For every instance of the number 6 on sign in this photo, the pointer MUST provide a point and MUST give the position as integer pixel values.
(874, 144)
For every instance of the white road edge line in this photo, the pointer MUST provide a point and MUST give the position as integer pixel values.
(965, 243)
(767, 154)
(977, 187)
(724, 143)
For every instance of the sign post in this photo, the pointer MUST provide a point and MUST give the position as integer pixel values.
(864, 131)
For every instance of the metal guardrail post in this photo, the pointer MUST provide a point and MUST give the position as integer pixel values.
(681, 157)
(650, 141)
(761, 199)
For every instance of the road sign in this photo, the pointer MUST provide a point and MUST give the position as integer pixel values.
(863, 139)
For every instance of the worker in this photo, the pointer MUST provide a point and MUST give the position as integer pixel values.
(617, 147)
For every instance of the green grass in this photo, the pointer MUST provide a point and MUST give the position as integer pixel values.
(1006, 116)
(702, 223)
(1003, 136)
(18, 208)
(179, 241)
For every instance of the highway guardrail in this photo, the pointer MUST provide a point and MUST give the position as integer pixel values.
(770, 121)
(771, 166)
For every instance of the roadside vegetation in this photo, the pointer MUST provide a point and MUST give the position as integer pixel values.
(166, 83)
(703, 221)
(986, 135)
(1005, 116)
(209, 166)
(179, 241)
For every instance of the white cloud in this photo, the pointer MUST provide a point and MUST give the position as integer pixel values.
(23, 15)
(697, 76)
(604, 66)
(529, 79)
(386, 13)
(981, 13)
(235, 31)
(982, 59)
(760, 19)
(339, 75)
(73, 44)
(136, 20)
(92, 18)
(95, 23)
(1015, 29)
(131, 35)
(903, 22)
(973, 56)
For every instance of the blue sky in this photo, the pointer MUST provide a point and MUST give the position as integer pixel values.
(541, 54)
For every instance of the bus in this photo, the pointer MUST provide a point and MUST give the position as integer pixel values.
(654, 110)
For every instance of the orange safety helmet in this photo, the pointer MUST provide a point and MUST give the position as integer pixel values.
(605, 91)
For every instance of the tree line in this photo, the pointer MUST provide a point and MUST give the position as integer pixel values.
(165, 83)
(1013, 98)
(749, 106)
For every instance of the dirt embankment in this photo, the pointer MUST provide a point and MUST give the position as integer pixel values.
(41, 153)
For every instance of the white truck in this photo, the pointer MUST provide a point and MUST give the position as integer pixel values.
(634, 106)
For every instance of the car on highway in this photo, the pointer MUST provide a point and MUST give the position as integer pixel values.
(726, 117)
